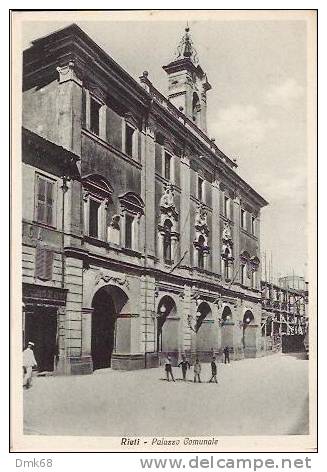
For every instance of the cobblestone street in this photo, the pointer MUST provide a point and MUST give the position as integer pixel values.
(265, 396)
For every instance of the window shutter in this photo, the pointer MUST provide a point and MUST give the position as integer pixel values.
(44, 201)
(43, 263)
(40, 204)
(49, 202)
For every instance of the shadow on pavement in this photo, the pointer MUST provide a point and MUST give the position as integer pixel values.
(301, 356)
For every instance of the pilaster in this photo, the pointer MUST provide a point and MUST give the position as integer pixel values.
(148, 319)
(185, 236)
(147, 190)
(70, 108)
(236, 238)
(216, 249)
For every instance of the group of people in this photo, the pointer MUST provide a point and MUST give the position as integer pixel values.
(185, 365)
(29, 362)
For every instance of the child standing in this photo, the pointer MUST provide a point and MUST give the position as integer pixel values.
(197, 370)
(213, 370)
(168, 369)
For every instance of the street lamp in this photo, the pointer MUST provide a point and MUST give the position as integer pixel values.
(162, 309)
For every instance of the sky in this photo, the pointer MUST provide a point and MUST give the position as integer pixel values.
(256, 108)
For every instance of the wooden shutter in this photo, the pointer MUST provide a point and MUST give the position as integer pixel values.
(49, 202)
(40, 200)
(44, 201)
(43, 263)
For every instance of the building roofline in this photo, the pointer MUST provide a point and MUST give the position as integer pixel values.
(136, 90)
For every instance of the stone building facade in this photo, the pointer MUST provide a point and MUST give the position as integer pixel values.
(150, 238)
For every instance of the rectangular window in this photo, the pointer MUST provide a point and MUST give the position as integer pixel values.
(200, 188)
(129, 231)
(43, 263)
(226, 206)
(167, 166)
(94, 218)
(243, 218)
(253, 279)
(243, 274)
(226, 269)
(44, 201)
(94, 116)
(253, 225)
(129, 140)
(200, 260)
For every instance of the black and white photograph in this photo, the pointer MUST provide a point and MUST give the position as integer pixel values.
(165, 167)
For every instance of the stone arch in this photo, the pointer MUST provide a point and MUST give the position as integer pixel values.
(249, 337)
(227, 314)
(206, 337)
(227, 328)
(96, 278)
(167, 328)
(108, 303)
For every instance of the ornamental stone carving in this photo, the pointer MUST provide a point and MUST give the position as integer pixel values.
(109, 277)
(201, 224)
(68, 72)
(227, 243)
(115, 222)
(167, 205)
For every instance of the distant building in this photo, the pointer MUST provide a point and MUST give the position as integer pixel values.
(139, 237)
(293, 281)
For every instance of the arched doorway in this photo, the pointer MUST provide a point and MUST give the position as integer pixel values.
(107, 304)
(227, 326)
(206, 336)
(167, 328)
(249, 334)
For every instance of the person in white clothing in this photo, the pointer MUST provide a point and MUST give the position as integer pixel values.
(28, 363)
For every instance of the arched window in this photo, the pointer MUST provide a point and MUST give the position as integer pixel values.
(167, 241)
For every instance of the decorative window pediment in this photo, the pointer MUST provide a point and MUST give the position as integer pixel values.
(97, 91)
(132, 203)
(97, 185)
(97, 193)
(131, 120)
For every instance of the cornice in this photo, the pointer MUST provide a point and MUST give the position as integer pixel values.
(71, 44)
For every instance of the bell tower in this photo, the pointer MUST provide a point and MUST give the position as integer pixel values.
(187, 83)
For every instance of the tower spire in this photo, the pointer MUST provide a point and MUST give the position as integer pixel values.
(187, 82)
(186, 48)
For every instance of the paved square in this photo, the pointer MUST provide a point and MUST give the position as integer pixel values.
(264, 396)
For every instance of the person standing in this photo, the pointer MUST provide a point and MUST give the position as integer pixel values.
(185, 365)
(213, 370)
(197, 370)
(168, 369)
(226, 355)
(28, 363)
